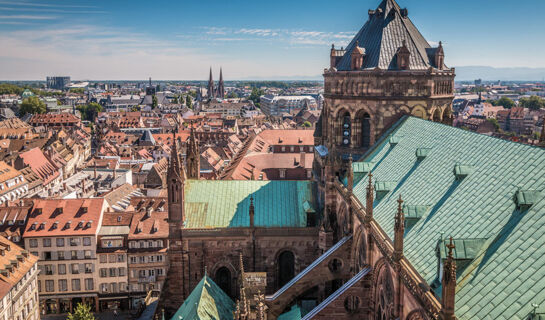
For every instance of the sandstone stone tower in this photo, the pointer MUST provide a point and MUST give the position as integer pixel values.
(386, 71)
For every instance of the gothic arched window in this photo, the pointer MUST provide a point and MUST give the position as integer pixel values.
(286, 267)
(366, 131)
(384, 295)
(223, 280)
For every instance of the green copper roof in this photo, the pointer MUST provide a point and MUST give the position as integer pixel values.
(362, 167)
(225, 203)
(506, 277)
(293, 314)
(206, 301)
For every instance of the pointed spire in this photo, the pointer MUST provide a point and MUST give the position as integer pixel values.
(221, 87)
(449, 284)
(370, 200)
(350, 175)
(252, 211)
(211, 92)
(399, 230)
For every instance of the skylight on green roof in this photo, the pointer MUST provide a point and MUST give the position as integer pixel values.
(362, 167)
(394, 140)
(422, 153)
(466, 249)
(526, 198)
(414, 212)
(461, 171)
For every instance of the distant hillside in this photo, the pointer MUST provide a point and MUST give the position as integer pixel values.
(504, 74)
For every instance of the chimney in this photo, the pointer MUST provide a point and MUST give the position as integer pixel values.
(302, 160)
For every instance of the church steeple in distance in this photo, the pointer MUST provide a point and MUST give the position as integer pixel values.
(221, 87)
(211, 92)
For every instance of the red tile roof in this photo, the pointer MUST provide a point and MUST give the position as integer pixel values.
(13, 254)
(40, 165)
(54, 118)
(153, 227)
(65, 217)
(287, 137)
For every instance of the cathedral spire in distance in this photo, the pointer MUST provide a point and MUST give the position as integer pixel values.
(221, 86)
(211, 92)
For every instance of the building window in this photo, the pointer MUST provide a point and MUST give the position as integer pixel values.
(104, 287)
(282, 173)
(74, 254)
(121, 272)
(89, 285)
(48, 269)
(159, 272)
(286, 264)
(62, 269)
(49, 286)
(39, 286)
(60, 255)
(87, 254)
(63, 285)
(283, 149)
(75, 268)
(346, 130)
(159, 258)
(113, 272)
(120, 258)
(46, 242)
(88, 268)
(47, 255)
(76, 286)
(103, 258)
(86, 241)
(133, 259)
(74, 242)
(33, 243)
(103, 272)
(112, 258)
(60, 242)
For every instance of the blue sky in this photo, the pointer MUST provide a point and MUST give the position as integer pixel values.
(250, 39)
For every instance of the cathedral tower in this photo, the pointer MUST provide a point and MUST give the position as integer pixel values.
(221, 86)
(211, 91)
(175, 288)
(193, 157)
(388, 70)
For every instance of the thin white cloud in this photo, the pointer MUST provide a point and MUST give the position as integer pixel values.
(36, 4)
(49, 10)
(26, 17)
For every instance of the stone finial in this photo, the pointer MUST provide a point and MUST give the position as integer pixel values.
(350, 181)
(449, 284)
(399, 230)
(370, 200)
(252, 212)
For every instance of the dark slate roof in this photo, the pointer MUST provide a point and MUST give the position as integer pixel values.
(381, 37)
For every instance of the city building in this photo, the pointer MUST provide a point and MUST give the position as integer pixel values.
(57, 82)
(12, 183)
(63, 234)
(112, 243)
(18, 282)
(147, 249)
(278, 105)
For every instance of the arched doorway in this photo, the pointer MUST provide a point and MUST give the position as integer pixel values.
(223, 280)
(286, 267)
(365, 131)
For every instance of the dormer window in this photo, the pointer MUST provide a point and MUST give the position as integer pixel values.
(403, 56)
(89, 224)
(81, 224)
(55, 225)
(67, 225)
(83, 209)
(42, 226)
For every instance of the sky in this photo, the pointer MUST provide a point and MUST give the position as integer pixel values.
(281, 39)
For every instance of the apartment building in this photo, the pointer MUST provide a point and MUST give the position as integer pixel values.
(147, 250)
(18, 283)
(12, 183)
(63, 234)
(277, 105)
(113, 272)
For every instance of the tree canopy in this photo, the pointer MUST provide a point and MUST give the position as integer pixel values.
(189, 101)
(153, 102)
(82, 312)
(32, 105)
(532, 103)
(90, 111)
(505, 102)
(255, 95)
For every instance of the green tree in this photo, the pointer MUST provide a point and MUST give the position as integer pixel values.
(153, 102)
(82, 312)
(532, 103)
(77, 90)
(495, 123)
(175, 100)
(90, 111)
(32, 105)
(189, 101)
(232, 95)
(306, 124)
(255, 95)
(505, 102)
(8, 88)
